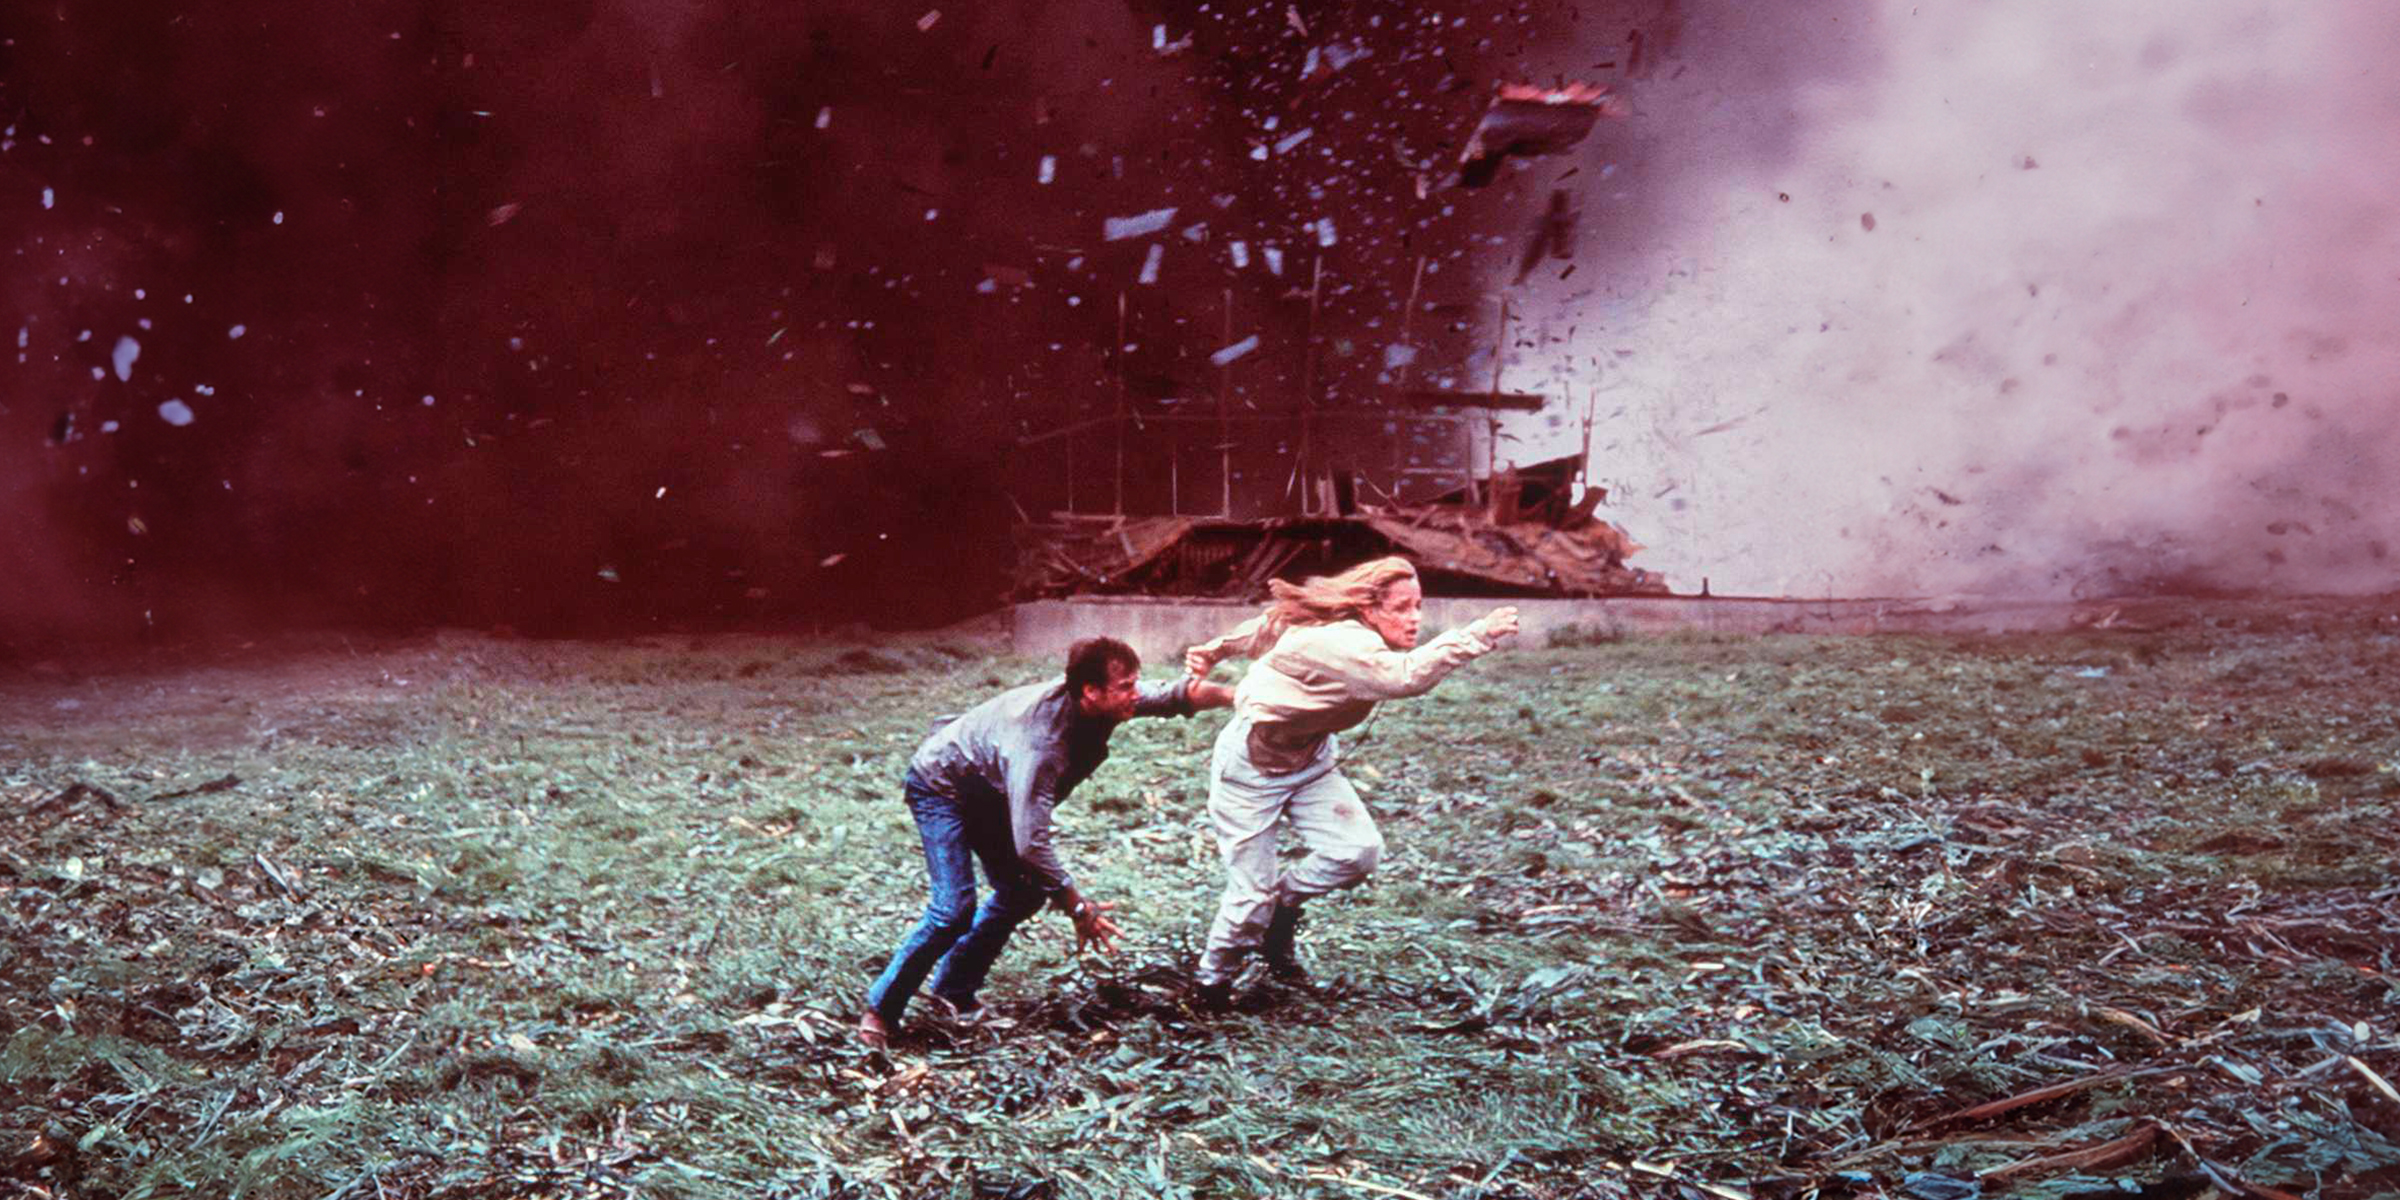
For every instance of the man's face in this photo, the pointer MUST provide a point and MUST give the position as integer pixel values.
(1114, 702)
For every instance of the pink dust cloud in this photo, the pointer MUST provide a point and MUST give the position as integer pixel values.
(2038, 303)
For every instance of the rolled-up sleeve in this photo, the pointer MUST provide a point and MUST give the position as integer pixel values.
(1164, 698)
(1032, 797)
(1249, 639)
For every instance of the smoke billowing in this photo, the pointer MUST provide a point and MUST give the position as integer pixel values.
(2043, 300)
(621, 313)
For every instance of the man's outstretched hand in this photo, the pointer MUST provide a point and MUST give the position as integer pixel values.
(1093, 928)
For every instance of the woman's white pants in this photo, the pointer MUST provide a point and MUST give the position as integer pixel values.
(1245, 805)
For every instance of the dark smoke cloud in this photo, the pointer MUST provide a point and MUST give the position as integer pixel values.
(603, 314)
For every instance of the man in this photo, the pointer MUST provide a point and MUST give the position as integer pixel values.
(985, 784)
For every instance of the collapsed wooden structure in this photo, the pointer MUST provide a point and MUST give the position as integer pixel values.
(1519, 535)
(1215, 503)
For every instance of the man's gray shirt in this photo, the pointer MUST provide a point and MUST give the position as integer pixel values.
(1026, 748)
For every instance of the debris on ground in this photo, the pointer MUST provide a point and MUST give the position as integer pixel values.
(1667, 918)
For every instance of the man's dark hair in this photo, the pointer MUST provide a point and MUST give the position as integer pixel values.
(1088, 662)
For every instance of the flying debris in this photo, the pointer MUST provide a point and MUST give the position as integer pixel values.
(1234, 351)
(1554, 234)
(1341, 54)
(1528, 120)
(1117, 229)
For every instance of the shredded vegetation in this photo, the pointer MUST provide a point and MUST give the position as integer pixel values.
(2111, 912)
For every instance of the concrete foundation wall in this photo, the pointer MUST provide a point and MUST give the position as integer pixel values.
(1159, 629)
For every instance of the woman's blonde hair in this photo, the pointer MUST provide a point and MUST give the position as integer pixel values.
(1325, 599)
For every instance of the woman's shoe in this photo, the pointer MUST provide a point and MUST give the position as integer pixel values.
(1213, 997)
(1281, 948)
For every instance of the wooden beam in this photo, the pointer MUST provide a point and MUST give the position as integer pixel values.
(1506, 401)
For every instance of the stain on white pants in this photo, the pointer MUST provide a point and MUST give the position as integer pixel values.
(1246, 805)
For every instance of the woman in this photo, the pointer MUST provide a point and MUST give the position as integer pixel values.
(1327, 650)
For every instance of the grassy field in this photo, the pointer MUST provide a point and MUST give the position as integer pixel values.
(1679, 917)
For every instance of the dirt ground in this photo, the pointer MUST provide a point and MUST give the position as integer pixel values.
(2110, 910)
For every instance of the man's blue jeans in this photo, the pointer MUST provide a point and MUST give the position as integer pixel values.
(955, 935)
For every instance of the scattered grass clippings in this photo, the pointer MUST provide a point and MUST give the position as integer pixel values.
(1671, 916)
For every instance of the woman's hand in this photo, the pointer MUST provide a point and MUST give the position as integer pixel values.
(1500, 623)
(1198, 662)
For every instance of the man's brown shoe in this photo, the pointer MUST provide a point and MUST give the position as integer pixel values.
(872, 1032)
